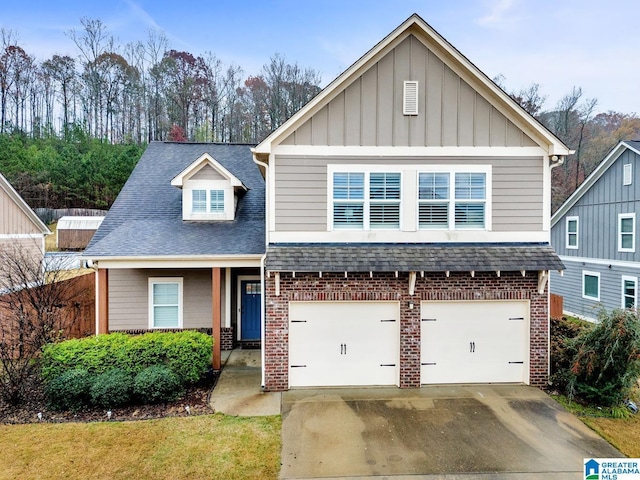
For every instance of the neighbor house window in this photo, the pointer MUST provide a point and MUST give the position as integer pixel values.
(572, 233)
(627, 174)
(366, 200)
(460, 207)
(591, 285)
(165, 302)
(207, 201)
(627, 232)
(629, 289)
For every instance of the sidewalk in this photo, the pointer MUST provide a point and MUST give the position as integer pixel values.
(238, 391)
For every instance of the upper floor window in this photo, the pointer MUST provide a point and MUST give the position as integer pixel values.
(460, 207)
(366, 200)
(627, 174)
(627, 232)
(207, 201)
(571, 241)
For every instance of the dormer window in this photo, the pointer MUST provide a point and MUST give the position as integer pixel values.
(209, 191)
(207, 201)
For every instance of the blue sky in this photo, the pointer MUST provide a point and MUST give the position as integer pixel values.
(559, 44)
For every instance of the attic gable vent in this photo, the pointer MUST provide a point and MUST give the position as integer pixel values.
(628, 169)
(410, 105)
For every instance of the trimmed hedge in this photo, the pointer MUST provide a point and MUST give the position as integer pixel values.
(69, 391)
(112, 388)
(157, 384)
(187, 354)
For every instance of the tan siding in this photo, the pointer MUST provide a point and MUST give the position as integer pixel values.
(301, 186)
(207, 172)
(13, 220)
(352, 113)
(129, 297)
(368, 111)
(385, 100)
(336, 120)
(435, 75)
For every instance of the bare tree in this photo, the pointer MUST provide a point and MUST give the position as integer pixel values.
(32, 299)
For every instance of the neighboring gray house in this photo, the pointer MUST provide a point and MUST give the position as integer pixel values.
(594, 232)
(182, 244)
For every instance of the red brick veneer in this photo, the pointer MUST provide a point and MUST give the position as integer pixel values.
(385, 286)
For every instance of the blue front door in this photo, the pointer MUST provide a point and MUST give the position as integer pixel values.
(250, 309)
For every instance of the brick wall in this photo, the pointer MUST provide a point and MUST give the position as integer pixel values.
(386, 287)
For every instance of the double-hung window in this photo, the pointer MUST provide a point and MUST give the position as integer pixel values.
(207, 201)
(165, 302)
(627, 232)
(366, 200)
(629, 291)
(571, 240)
(591, 285)
(452, 200)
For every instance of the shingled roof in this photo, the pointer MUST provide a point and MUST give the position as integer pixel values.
(412, 257)
(146, 218)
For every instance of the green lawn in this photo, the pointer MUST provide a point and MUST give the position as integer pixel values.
(198, 447)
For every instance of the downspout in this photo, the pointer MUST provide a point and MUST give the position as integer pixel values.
(263, 305)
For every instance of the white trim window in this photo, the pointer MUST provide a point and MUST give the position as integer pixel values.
(207, 201)
(626, 232)
(462, 207)
(165, 302)
(571, 240)
(629, 291)
(591, 285)
(366, 200)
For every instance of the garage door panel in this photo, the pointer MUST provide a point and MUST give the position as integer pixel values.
(343, 343)
(474, 342)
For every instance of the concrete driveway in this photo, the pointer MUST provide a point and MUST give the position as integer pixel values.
(452, 432)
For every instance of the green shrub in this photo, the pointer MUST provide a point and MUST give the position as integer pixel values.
(563, 350)
(187, 354)
(69, 390)
(112, 388)
(157, 384)
(606, 364)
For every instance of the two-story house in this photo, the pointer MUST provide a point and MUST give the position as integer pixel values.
(407, 223)
(594, 232)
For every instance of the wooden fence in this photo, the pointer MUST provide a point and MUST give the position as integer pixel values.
(78, 315)
(556, 306)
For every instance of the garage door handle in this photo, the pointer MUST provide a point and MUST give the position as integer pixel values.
(343, 349)
(472, 347)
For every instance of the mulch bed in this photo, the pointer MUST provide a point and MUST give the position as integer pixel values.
(196, 398)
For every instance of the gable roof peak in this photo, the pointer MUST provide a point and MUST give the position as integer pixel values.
(202, 161)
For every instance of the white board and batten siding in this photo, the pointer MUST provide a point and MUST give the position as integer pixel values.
(474, 342)
(344, 343)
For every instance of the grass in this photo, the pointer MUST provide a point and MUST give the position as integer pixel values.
(616, 425)
(198, 447)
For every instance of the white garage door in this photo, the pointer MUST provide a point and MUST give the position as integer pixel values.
(343, 343)
(475, 342)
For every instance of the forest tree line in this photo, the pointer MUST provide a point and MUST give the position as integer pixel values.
(92, 112)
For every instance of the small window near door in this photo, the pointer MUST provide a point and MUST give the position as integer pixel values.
(253, 288)
(591, 285)
(629, 291)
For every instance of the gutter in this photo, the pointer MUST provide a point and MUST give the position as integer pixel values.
(262, 262)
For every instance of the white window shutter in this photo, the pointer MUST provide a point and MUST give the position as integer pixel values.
(410, 104)
(628, 174)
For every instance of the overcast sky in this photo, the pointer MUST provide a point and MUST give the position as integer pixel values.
(558, 44)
